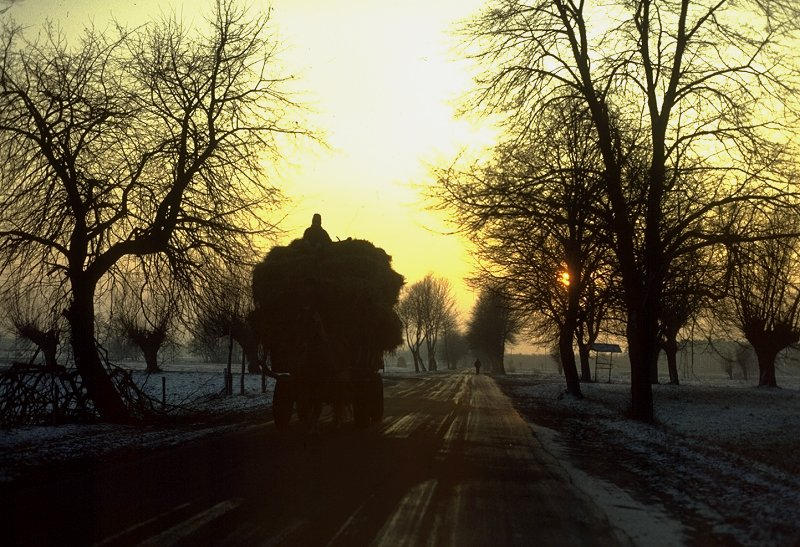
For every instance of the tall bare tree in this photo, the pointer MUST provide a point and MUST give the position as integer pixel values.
(437, 304)
(149, 141)
(410, 309)
(425, 308)
(693, 77)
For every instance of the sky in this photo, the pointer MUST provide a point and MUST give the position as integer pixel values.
(381, 80)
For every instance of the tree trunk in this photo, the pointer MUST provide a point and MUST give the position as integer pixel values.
(566, 334)
(568, 361)
(419, 365)
(671, 349)
(643, 348)
(96, 380)
(642, 339)
(498, 367)
(766, 366)
(50, 350)
(244, 336)
(150, 352)
(653, 370)
(250, 349)
(431, 356)
(586, 369)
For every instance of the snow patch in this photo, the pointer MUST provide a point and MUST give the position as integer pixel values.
(26, 448)
(643, 524)
(722, 458)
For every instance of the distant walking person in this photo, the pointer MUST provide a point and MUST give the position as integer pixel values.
(316, 234)
(477, 366)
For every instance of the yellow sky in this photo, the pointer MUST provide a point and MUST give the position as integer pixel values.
(381, 80)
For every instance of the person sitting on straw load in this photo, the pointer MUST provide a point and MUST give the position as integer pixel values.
(316, 234)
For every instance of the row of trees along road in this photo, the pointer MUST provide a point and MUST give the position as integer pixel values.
(430, 321)
(143, 312)
(641, 138)
(134, 143)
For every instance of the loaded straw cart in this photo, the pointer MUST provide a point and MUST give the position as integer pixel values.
(325, 311)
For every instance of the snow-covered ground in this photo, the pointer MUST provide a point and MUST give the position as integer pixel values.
(720, 466)
(192, 387)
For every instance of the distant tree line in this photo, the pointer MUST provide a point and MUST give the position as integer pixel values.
(430, 320)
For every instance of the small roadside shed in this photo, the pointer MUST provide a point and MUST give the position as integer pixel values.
(604, 357)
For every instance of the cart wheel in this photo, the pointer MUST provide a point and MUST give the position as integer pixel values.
(282, 403)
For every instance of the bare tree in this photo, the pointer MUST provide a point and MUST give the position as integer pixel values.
(32, 311)
(425, 309)
(410, 310)
(224, 308)
(147, 312)
(146, 142)
(765, 299)
(693, 281)
(437, 304)
(693, 78)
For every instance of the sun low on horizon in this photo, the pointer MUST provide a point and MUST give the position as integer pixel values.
(380, 82)
(384, 84)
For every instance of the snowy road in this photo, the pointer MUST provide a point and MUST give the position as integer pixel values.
(451, 464)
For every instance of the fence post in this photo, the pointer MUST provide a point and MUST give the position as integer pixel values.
(241, 388)
(55, 399)
(163, 392)
(263, 380)
(229, 384)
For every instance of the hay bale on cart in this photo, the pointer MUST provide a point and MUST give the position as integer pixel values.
(325, 312)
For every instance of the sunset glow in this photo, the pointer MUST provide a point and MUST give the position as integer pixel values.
(298, 272)
(380, 82)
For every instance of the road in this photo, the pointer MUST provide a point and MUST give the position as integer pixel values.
(452, 463)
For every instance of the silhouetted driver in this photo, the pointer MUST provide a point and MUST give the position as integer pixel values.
(316, 234)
